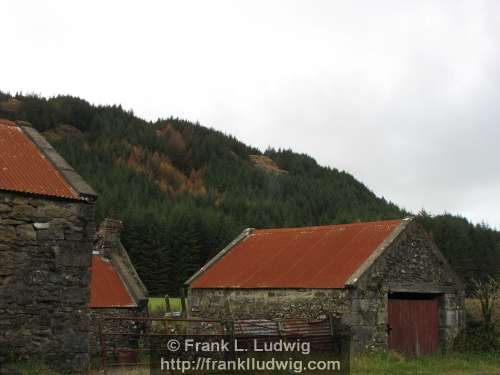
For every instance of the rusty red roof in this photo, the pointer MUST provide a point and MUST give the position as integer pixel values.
(24, 168)
(310, 257)
(7, 122)
(107, 288)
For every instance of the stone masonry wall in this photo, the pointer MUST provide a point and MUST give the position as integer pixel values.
(409, 265)
(45, 255)
(226, 304)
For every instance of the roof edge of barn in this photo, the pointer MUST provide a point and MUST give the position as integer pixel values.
(241, 237)
(352, 280)
(77, 183)
(133, 283)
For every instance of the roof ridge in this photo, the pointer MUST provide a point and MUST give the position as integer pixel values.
(327, 226)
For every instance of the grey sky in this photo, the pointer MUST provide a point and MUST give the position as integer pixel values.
(403, 95)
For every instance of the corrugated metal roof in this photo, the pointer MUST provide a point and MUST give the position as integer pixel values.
(7, 122)
(310, 257)
(24, 168)
(107, 289)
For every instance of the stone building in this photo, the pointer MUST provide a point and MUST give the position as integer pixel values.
(386, 280)
(46, 236)
(116, 289)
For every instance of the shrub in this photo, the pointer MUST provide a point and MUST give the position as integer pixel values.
(478, 337)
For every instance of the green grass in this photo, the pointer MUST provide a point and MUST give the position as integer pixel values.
(451, 364)
(368, 364)
(33, 368)
(157, 306)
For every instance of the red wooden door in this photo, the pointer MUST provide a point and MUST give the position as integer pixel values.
(413, 325)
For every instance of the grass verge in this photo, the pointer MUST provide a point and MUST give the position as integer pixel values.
(367, 364)
(450, 364)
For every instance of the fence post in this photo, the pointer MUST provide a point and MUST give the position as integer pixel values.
(183, 303)
(168, 309)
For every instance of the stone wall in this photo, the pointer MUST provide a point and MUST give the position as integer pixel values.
(45, 255)
(410, 264)
(226, 304)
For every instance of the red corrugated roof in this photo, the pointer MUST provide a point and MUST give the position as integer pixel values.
(311, 257)
(24, 168)
(7, 122)
(106, 287)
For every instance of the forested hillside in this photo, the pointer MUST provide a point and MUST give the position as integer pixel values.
(184, 191)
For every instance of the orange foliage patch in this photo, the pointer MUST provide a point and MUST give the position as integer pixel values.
(160, 169)
(174, 139)
(267, 164)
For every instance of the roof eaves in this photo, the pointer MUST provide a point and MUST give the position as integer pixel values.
(74, 179)
(132, 306)
(378, 252)
(243, 235)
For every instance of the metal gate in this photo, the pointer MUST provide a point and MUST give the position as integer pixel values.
(128, 347)
(413, 323)
(131, 348)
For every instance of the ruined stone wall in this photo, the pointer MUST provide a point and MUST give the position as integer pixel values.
(45, 255)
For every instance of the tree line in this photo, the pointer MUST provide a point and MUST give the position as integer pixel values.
(184, 191)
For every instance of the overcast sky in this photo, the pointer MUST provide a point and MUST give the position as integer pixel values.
(405, 95)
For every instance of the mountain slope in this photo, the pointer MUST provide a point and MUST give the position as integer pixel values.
(184, 191)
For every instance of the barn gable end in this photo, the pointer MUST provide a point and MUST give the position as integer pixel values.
(410, 266)
(411, 261)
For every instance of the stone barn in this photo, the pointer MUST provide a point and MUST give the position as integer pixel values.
(47, 231)
(116, 288)
(386, 280)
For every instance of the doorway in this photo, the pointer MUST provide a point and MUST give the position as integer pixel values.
(413, 323)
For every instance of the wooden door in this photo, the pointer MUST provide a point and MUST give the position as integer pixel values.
(413, 325)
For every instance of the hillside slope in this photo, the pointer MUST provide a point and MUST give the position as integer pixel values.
(184, 191)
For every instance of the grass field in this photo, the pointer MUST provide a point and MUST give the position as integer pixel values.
(451, 364)
(157, 306)
(391, 364)
(370, 364)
